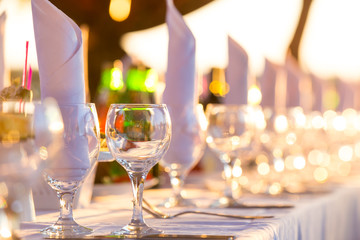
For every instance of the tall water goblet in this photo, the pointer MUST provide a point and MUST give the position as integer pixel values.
(137, 135)
(230, 131)
(70, 165)
(28, 130)
(186, 148)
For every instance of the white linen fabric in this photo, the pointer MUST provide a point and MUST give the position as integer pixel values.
(237, 74)
(60, 59)
(2, 49)
(180, 94)
(331, 216)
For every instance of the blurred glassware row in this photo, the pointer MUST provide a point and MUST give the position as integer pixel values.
(299, 152)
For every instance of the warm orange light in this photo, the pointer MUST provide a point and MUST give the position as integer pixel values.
(119, 10)
(218, 85)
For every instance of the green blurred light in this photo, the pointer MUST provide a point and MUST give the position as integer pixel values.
(106, 78)
(151, 80)
(117, 82)
(142, 80)
(112, 79)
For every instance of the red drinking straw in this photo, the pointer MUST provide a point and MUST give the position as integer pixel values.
(25, 67)
(29, 78)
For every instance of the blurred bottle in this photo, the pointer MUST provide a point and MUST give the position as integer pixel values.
(110, 90)
(141, 84)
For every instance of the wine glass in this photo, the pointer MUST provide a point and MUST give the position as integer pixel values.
(28, 130)
(230, 131)
(70, 165)
(137, 135)
(186, 148)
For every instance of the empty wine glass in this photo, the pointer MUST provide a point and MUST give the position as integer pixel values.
(28, 131)
(70, 165)
(186, 148)
(230, 131)
(137, 135)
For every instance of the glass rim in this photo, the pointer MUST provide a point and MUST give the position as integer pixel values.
(139, 105)
(228, 106)
(73, 104)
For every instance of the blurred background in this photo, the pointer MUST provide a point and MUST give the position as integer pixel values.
(106, 28)
(125, 46)
(105, 32)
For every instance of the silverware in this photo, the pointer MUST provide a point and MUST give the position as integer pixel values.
(227, 202)
(162, 236)
(263, 205)
(155, 212)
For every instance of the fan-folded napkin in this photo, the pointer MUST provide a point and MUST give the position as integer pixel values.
(180, 92)
(2, 49)
(317, 90)
(268, 85)
(293, 76)
(237, 74)
(60, 59)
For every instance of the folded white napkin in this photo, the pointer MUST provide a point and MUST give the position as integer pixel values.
(237, 74)
(317, 90)
(2, 49)
(60, 59)
(180, 74)
(72, 161)
(294, 75)
(60, 55)
(180, 91)
(268, 85)
(346, 94)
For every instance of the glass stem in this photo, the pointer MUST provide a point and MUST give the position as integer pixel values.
(137, 181)
(225, 159)
(177, 183)
(66, 205)
(228, 181)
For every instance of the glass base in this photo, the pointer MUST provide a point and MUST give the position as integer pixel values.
(66, 230)
(178, 201)
(136, 231)
(225, 202)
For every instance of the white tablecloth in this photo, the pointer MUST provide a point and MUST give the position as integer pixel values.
(333, 215)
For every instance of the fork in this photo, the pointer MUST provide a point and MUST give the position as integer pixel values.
(157, 213)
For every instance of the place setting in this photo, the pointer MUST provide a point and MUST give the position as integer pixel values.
(177, 151)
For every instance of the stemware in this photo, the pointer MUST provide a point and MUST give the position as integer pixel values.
(137, 135)
(187, 147)
(281, 142)
(28, 130)
(70, 165)
(230, 131)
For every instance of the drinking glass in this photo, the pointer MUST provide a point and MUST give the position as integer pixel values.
(137, 135)
(186, 148)
(230, 131)
(70, 165)
(28, 130)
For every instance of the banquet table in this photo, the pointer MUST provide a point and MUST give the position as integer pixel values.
(330, 214)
